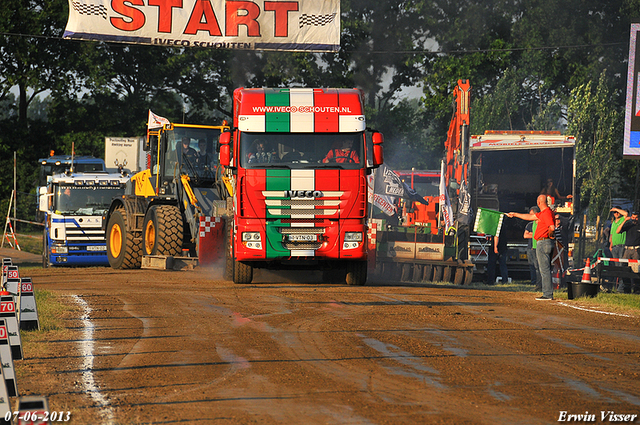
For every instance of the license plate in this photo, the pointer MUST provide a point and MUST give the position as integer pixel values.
(97, 248)
(303, 238)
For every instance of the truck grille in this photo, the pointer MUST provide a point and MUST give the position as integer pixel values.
(84, 234)
(301, 230)
(279, 205)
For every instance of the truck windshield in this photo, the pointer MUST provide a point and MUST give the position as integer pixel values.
(301, 150)
(191, 151)
(84, 200)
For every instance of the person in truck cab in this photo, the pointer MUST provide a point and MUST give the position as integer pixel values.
(343, 152)
(187, 151)
(552, 192)
(204, 160)
(261, 155)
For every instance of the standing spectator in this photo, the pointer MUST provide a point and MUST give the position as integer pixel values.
(631, 246)
(529, 230)
(616, 239)
(497, 253)
(544, 247)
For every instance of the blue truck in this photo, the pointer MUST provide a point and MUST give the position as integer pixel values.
(73, 205)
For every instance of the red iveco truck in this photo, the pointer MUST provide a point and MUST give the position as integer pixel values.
(299, 159)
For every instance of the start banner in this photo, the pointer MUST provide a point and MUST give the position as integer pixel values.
(302, 25)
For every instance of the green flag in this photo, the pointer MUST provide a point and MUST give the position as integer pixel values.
(488, 222)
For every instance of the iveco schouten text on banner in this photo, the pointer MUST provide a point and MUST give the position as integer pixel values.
(310, 25)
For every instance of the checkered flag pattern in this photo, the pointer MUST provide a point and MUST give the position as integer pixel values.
(90, 9)
(316, 20)
(207, 224)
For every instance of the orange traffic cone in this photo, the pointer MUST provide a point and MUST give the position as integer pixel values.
(586, 276)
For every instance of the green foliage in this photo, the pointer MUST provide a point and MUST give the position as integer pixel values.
(598, 127)
(524, 60)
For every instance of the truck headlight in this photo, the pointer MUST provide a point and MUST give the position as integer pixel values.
(57, 248)
(252, 240)
(353, 237)
(352, 240)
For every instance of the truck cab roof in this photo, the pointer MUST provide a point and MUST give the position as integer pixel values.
(98, 178)
(66, 159)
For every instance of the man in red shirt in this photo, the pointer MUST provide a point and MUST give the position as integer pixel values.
(544, 248)
(343, 154)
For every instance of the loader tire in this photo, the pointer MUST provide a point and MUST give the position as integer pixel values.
(163, 231)
(123, 250)
(356, 273)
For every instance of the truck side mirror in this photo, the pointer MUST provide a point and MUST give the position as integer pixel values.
(225, 149)
(378, 156)
(44, 199)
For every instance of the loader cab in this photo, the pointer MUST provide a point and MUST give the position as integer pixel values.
(178, 150)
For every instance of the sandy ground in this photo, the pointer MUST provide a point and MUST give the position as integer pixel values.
(148, 346)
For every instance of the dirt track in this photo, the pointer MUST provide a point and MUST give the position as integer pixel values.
(188, 347)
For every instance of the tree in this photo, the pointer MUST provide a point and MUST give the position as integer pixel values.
(597, 123)
(36, 63)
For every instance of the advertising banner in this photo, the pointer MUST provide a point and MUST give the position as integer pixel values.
(631, 149)
(302, 25)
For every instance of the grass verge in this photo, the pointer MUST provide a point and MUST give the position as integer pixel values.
(614, 302)
(52, 312)
(29, 242)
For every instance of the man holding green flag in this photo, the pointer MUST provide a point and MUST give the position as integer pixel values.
(544, 243)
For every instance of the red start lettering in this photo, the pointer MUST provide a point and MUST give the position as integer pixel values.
(135, 18)
(164, 13)
(203, 10)
(281, 19)
(249, 17)
(203, 17)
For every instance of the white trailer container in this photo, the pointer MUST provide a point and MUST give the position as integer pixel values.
(509, 169)
(125, 152)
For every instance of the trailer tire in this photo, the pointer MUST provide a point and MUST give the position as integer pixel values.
(438, 271)
(123, 252)
(427, 273)
(163, 230)
(468, 276)
(405, 272)
(356, 273)
(242, 273)
(459, 276)
(417, 273)
(446, 274)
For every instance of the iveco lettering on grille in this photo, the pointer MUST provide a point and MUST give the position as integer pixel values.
(303, 194)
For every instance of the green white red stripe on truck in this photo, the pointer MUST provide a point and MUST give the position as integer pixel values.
(300, 110)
